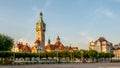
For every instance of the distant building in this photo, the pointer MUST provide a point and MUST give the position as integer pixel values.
(116, 51)
(71, 48)
(15, 47)
(101, 45)
(39, 44)
(58, 46)
(20, 47)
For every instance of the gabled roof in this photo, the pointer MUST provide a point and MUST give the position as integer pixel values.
(101, 39)
(22, 47)
(50, 47)
(54, 47)
(37, 41)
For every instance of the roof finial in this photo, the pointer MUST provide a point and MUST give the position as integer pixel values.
(41, 14)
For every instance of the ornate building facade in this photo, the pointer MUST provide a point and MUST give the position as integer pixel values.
(58, 46)
(116, 51)
(39, 44)
(20, 47)
(101, 45)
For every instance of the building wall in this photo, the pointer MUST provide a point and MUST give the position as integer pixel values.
(101, 45)
(40, 33)
(15, 47)
(116, 51)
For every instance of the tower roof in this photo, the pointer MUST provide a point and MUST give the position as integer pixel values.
(41, 14)
(40, 19)
(40, 23)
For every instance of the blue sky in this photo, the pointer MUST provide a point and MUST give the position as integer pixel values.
(76, 21)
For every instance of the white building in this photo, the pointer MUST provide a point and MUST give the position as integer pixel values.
(101, 45)
(116, 51)
(15, 47)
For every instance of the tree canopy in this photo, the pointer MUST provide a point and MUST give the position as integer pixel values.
(6, 42)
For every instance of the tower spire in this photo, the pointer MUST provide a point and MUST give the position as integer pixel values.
(49, 41)
(41, 14)
(58, 38)
(41, 17)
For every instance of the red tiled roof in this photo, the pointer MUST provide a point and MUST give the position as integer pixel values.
(37, 41)
(61, 47)
(23, 47)
(101, 39)
(57, 45)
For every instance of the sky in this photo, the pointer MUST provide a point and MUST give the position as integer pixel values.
(77, 22)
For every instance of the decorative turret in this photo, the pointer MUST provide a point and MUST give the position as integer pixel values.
(49, 41)
(58, 39)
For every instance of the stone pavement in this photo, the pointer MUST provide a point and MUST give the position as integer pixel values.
(82, 65)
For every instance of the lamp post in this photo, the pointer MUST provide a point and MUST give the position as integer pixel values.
(14, 59)
(71, 55)
(57, 54)
(14, 55)
(39, 49)
(97, 57)
(81, 56)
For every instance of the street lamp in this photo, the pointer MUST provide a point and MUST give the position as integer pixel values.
(39, 49)
(81, 56)
(14, 55)
(71, 55)
(57, 55)
(14, 59)
(97, 57)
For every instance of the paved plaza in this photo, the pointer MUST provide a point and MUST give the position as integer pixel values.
(82, 65)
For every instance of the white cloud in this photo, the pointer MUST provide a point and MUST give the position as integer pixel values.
(105, 12)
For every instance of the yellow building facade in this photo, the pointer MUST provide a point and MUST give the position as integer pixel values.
(39, 44)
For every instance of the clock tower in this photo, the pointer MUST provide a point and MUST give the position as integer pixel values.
(40, 34)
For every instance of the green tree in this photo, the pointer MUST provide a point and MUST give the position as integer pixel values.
(51, 54)
(92, 54)
(6, 42)
(77, 54)
(85, 55)
(65, 54)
